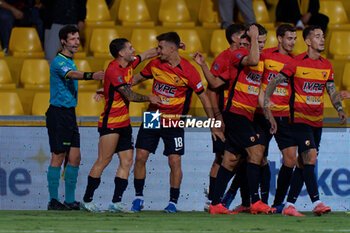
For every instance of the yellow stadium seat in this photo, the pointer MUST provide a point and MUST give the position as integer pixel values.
(10, 104)
(207, 15)
(196, 108)
(271, 40)
(100, 40)
(346, 77)
(137, 109)
(261, 14)
(87, 106)
(83, 65)
(300, 45)
(134, 13)
(40, 103)
(143, 39)
(339, 47)
(337, 15)
(6, 81)
(175, 14)
(191, 38)
(81, 54)
(97, 13)
(24, 42)
(35, 74)
(114, 8)
(218, 42)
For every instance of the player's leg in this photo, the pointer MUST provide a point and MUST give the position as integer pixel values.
(225, 174)
(146, 143)
(212, 175)
(121, 181)
(296, 184)
(284, 176)
(265, 177)
(106, 148)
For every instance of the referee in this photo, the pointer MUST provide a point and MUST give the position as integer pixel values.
(61, 121)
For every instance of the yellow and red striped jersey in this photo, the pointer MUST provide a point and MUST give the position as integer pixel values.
(274, 61)
(222, 64)
(116, 111)
(174, 85)
(243, 96)
(309, 78)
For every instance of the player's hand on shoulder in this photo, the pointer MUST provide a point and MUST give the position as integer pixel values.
(344, 95)
(199, 59)
(154, 99)
(98, 75)
(342, 117)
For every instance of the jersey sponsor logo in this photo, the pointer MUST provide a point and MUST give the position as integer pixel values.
(254, 78)
(253, 90)
(280, 91)
(313, 100)
(272, 76)
(311, 87)
(271, 66)
(305, 73)
(165, 89)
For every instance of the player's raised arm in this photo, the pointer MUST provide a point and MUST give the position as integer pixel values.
(151, 53)
(253, 58)
(336, 101)
(213, 81)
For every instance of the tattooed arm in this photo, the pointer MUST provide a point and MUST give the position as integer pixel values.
(267, 102)
(335, 99)
(136, 97)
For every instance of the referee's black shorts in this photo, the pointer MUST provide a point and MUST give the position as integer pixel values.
(61, 124)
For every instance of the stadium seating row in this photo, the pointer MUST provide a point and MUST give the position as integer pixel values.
(176, 13)
(24, 42)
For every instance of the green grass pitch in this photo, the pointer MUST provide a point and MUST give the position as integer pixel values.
(156, 221)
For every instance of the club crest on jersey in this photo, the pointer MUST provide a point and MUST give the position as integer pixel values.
(324, 73)
(252, 139)
(311, 87)
(165, 89)
(177, 79)
(216, 66)
(307, 142)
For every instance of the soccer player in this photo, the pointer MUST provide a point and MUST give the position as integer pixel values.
(218, 98)
(310, 74)
(174, 81)
(274, 59)
(61, 121)
(241, 136)
(114, 124)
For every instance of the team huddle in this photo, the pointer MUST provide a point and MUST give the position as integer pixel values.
(256, 93)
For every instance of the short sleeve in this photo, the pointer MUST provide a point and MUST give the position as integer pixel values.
(62, 69)
(147, 71)
(225, 76)
(195, 81)
(136, 61)
(289, 69)
(117, 78)
(331, 74)
(238, 55)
